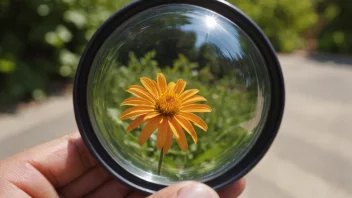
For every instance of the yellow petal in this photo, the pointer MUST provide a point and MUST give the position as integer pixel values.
(135, 123)
(141, 92)
(168, 140)
(149, 129)
(179, 134)
(151, 115)
(137, 102)
(180, 86)
(188, 127)
(193, 99)
(135, 111)
(151, 86)
(188, 93)
(170, 86)
(195, 119)
(162, 132)
(161, 82)
(195, 108)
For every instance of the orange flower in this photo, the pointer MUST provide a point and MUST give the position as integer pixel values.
(166, 107)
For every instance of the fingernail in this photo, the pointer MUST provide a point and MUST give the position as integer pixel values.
(198, 191)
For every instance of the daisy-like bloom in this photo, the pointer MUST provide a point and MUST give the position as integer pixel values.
(166, 107)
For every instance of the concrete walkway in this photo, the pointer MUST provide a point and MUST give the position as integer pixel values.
(311, 157)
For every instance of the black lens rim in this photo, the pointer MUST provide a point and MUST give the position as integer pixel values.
(223, 8)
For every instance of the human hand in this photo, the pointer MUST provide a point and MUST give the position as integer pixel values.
(65, 168)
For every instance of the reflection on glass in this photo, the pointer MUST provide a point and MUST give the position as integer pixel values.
(210, 22)
(212, 55)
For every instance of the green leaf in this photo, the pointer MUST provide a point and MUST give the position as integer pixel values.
(7, 66)
(208, 155)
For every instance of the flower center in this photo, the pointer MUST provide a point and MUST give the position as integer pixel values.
(168, 104)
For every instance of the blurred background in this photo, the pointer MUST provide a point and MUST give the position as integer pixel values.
(40, 46)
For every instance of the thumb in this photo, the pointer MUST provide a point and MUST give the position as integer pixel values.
(189, 189)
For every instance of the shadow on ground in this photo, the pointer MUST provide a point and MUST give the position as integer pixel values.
(339, 60)
(60, 88)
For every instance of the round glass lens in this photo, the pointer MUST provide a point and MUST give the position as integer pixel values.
(178, 92)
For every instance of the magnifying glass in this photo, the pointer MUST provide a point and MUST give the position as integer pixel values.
(176, 90)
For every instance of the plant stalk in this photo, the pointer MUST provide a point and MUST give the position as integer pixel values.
(160, 160)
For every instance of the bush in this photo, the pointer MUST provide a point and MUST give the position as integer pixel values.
(283, 21)
(336, 36)
(41, 42)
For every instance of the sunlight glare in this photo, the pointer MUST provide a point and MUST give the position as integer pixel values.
(210, 22)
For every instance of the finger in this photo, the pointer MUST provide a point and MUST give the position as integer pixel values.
(59, 161)
(233, 190)
(9, 190)
(62, 160)
(24, 177)
(112, 188)
(86, 183)
(188, 189)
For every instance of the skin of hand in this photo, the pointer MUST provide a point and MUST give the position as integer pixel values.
(65, 168)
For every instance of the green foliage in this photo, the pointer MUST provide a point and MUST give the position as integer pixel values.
(283, 21)
(226, 137)
(41, 42)
(336, 35)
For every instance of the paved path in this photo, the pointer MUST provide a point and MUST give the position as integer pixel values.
(311, 157)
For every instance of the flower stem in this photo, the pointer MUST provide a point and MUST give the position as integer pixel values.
(160, 160)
